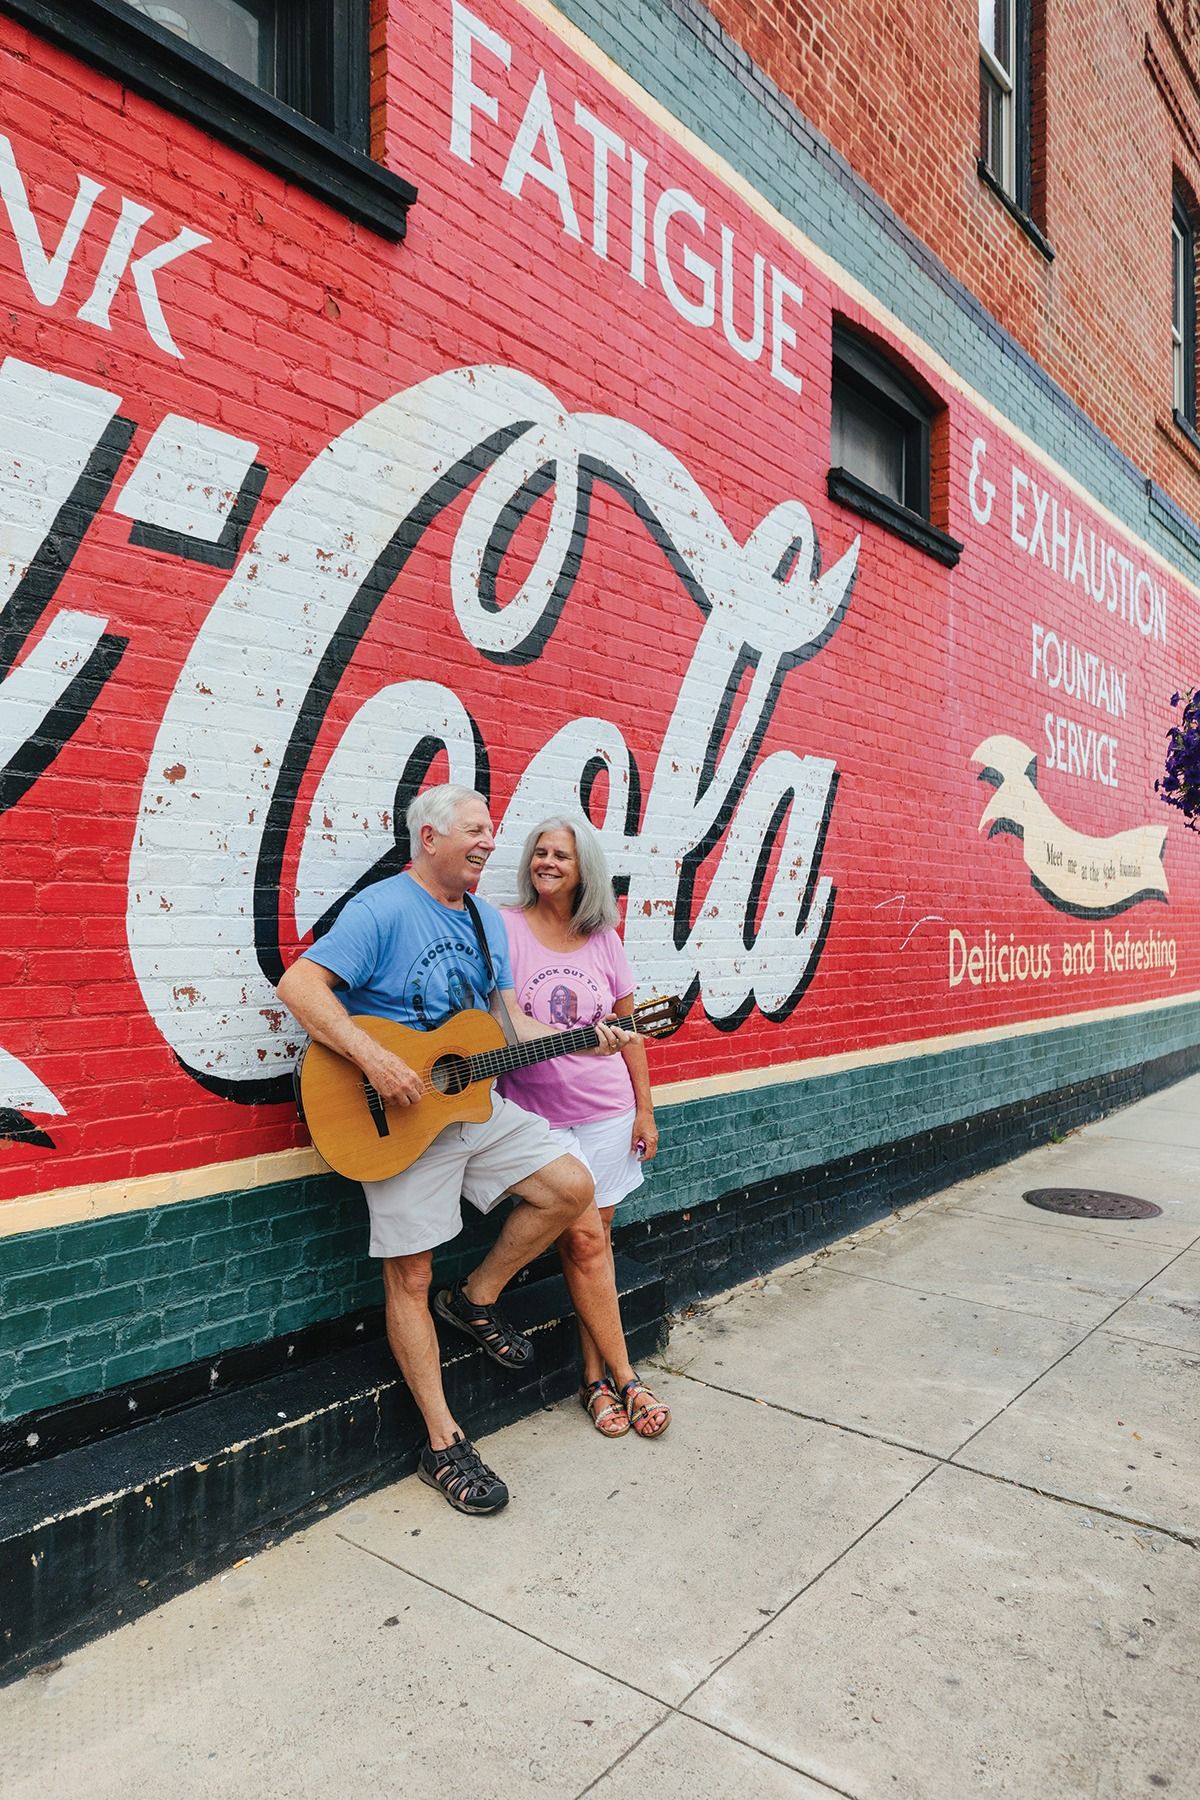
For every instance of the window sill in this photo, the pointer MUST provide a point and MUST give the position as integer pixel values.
(1036, 237)
(1181, 435)
(1170, 514)
(147, 58)
(899, 520)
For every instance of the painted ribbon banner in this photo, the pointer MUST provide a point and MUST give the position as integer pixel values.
(293, 521)
(1092, 876)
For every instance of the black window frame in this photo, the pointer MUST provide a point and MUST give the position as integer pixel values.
(328, 159)
(1183, 224)
(859, 367)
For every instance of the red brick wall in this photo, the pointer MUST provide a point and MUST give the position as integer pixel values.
(788, 704)
(896, 91)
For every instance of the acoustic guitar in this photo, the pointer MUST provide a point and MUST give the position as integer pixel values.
(367, 1138)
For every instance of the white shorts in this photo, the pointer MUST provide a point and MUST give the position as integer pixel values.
(419, 1208)
(603, 1146)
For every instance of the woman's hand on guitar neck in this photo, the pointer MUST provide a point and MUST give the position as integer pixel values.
(611, 1039)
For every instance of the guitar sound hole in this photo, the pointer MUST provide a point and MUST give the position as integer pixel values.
(450, 1074)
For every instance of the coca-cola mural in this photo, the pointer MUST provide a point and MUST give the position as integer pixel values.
(295, 520)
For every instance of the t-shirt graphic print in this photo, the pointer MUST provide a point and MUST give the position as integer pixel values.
(403, 955)
(562, 990)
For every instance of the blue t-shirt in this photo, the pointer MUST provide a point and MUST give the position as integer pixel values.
(403, 955)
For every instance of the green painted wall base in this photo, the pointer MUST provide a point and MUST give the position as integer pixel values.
(99, 1305)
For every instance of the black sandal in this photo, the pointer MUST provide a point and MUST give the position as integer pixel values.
(498, 1340)
(460, 1474)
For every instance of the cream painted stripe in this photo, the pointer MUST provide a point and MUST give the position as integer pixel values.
(590, 53)
(71, 1206)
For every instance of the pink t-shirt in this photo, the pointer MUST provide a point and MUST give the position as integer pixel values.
(568, 988)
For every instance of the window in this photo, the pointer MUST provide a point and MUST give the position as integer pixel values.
(1183, 313)
(309, 54)
(1006, 103)
(284, 81)
(880, 445)
(880, 427)
(998, 91)
(1011, 114)
(289, 48)
(241, 37)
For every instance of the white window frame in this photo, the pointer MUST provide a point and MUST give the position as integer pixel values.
(1005, 80)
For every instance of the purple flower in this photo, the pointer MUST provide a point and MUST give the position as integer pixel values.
(1180, 781)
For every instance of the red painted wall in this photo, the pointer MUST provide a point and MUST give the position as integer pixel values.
(522, 489)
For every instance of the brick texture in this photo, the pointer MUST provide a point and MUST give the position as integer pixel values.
(1116, 89)
(297, 517)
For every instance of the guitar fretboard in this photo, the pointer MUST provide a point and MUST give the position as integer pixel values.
(490, 1063)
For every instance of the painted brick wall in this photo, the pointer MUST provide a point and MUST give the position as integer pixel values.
(896, 91)
(547, 493)
(103, 1304)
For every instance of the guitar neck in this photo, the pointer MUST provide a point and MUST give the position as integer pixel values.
(489, 1063)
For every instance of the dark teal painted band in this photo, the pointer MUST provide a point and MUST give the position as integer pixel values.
(734, 1140)
(109, 1301)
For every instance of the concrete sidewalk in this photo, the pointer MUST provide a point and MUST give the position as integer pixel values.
(925, 1526)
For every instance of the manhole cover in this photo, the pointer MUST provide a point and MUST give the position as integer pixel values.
(1091, 1203)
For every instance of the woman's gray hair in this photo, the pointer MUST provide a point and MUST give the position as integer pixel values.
(437, 806)
(595, 906)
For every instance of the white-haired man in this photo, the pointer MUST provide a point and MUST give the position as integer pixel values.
(406, 949)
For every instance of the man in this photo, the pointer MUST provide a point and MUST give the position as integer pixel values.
(406, 949)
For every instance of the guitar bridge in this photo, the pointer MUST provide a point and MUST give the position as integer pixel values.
(377, 1110)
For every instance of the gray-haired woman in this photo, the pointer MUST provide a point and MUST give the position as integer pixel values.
(570, 968)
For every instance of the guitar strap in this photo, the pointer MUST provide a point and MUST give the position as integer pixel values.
(506, 1024)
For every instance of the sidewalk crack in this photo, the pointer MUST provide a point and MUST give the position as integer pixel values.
(949, 1460)
(1089, 1333)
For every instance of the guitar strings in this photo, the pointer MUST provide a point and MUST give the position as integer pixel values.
(507, 1057)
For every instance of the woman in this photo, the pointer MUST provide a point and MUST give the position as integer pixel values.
(569, 968)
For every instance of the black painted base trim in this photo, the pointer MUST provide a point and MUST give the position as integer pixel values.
(93, 1538)
(36, 1436)
(751, 1230)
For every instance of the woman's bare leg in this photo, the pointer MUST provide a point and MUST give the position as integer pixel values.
(587, 1261)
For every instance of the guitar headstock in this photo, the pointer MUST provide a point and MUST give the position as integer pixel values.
(659, 1016)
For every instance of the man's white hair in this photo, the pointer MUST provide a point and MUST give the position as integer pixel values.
(437, 806)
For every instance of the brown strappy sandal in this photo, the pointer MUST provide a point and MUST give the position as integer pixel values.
(607, 1413)
(641, 1405)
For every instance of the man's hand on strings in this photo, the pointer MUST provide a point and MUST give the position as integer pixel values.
(391, 1077)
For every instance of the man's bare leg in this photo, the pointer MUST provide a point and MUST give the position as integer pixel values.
(549, 1201)
(451, 1463)
(413, 1341)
